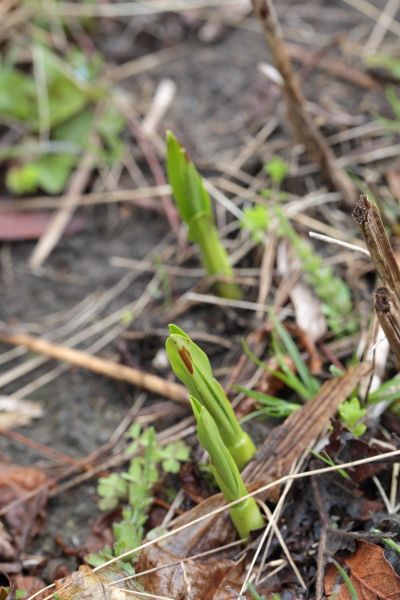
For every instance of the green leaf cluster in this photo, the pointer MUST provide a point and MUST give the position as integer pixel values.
(351, 414)
(133, 488)
(58, 124)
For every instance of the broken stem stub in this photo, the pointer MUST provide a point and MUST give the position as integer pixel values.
(367, 216)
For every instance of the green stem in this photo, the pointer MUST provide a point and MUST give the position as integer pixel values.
(246, 515)
(215, 258)
(243, 450)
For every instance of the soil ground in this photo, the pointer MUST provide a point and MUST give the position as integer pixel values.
(221, 99)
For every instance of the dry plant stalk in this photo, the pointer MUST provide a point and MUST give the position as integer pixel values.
(367, 216)
(387, 308)
(302, 122)
(104, 367)
(387, 297)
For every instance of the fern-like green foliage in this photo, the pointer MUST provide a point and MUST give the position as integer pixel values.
(133, 488)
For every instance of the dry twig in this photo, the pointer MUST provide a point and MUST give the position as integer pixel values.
(302, 122)
(105, 367)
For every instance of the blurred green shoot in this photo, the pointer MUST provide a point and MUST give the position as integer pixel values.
(347, 581)
(331, 290)
(394, 101)
(303, 383)
(246, 515)
(328, 461)
(194, 206)
(270, 405)
(191, 365)
(277, 169)
(256, 220)
(384, 63)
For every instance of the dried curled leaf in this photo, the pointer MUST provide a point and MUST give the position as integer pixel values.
(87, 584)
(371, 575)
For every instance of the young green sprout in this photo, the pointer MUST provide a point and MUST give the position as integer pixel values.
(245, 515)
(191, 365)
(194, 206)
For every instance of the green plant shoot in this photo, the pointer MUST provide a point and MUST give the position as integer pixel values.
(191, 365)
(194, 206)
(331, 290)
(245, 515)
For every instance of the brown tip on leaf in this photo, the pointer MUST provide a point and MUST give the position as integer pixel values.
(382, 300)
(360, 212)
(187, 359)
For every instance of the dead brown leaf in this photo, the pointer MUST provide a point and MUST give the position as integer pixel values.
(25, 519)
(371, 574)
(96, 586)
(201, 579)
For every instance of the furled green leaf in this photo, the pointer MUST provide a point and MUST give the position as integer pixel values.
(190, 195)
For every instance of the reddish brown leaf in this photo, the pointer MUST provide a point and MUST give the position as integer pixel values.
(16, 226)
(25, 519)
(371, 574)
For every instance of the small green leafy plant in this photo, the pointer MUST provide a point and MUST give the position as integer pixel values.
(306, 386)
(191, 365)
(351, 414)
(194, 206)
(302, 382)
(277, 170)
(133, 488)
(55, 127)
(256, 220)
(245, 515)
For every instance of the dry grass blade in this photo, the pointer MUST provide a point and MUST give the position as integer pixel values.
(302, 122)
(368, 218)
(387, 308)
(108, 368)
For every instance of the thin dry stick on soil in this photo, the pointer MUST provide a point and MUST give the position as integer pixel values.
(105, 367)
(302, 122)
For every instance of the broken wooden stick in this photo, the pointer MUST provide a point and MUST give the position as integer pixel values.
(302, 122)
(105, 367)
